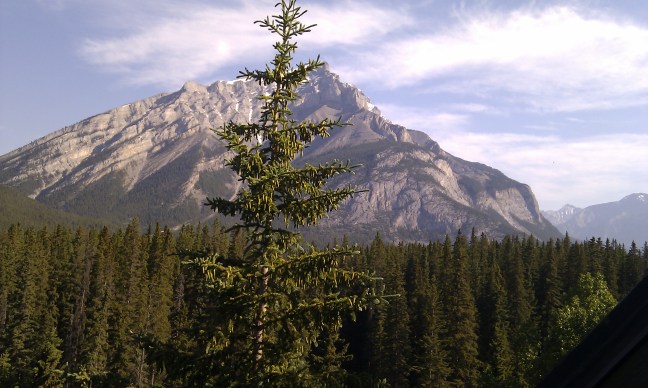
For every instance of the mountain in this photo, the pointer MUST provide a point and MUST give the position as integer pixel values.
(157, 159)
(561, 216)
(625, 220)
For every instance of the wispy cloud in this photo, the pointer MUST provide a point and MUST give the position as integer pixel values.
(554, 58)
(191, 41)
(187, 44)
(558, 58)
(349, 24)
(577, 171)
(422, 119)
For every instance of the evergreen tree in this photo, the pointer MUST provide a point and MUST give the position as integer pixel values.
(478, 256)
(83, 252)
(521, 303)
(96, 349)
(283, 297)
(611, 268)
(73, 300)
(377, 259)
(429, 365)
(632, 269)
(11, 247)
(34, 348)
(550, 297)
(462, 319)
(594, 249)
(130, 305)
(494, 335)
(161, 274)
(394, 341)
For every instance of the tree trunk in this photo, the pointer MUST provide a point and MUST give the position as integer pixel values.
(260, 319)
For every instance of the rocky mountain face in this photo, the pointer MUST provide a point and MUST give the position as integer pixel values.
(561, 216)
(625, 220)
(156, 159)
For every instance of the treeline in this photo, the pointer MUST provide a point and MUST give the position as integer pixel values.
(76, 304)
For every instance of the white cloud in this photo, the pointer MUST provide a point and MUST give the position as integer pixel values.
(473, 108)
(559, 171)
(351, 23)
(424, 119)
(558, 59)
(176, 43)
(179, 47)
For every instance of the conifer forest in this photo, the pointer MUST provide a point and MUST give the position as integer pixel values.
(83, 308)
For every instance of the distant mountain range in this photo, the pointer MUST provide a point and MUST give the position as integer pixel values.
(625, 220)
(156, 159)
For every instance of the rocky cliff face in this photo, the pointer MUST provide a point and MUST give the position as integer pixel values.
(561, 215)
(157, 159)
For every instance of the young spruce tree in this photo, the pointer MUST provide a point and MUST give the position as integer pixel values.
(276, 307)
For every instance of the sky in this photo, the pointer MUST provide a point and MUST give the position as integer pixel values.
(552, 93)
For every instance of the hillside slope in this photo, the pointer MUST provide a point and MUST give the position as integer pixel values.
(17, 208)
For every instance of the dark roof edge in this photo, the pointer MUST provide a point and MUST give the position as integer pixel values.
(601, 350)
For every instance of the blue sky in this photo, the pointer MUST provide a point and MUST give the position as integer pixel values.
(552, 93)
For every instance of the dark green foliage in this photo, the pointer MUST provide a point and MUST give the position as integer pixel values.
(462, 311)
(86, 202)
(74, 305)
(496, 351)
(429, 363)
(390, 334)
(16, 207)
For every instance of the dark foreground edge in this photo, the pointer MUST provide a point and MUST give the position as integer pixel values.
(614, 354)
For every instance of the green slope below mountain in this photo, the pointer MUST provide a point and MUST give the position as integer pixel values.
(16, 207)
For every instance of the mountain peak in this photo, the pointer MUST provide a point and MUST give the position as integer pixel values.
(623, 220)
(568, 208)
(563, 215)
(325, 67)
(192, 87)
(636, 197)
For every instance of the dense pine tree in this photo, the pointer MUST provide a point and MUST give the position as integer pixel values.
(496, 351)
(429, 365)
(462, 311)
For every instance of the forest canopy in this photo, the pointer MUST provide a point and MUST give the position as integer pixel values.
(74, 304)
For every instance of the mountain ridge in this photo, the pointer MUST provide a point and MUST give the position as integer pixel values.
(625, 220)
(157, 160)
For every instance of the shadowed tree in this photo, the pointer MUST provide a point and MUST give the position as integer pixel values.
(429, 367)
(497, 353)
(462, 314)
